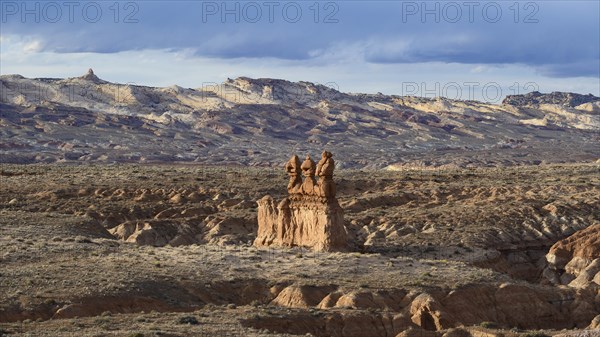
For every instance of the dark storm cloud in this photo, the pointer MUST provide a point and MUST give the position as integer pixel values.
(559, 39)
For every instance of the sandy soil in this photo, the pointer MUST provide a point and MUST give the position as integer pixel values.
(412, 233)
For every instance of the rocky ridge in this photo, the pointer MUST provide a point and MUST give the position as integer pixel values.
(248, 121)
(558, 98)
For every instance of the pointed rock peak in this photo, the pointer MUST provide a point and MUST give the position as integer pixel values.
(90, 76)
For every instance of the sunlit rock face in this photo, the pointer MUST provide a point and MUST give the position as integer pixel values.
(575, 260)
(310, 216)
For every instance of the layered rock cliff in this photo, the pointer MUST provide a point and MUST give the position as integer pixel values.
(304, 221)
(575, 261)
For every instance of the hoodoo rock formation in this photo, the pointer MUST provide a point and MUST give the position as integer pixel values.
(310, 216)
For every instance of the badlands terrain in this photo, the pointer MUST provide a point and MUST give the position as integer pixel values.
(166, 250)
(131, 211)
(259, 122)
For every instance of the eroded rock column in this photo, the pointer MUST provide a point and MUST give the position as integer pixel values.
(310, 216)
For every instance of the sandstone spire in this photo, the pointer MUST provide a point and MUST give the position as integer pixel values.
(308, 170)
(310, 216)
(326, 186)
(292, 167)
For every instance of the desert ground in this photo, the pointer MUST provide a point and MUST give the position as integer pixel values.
(166, 250)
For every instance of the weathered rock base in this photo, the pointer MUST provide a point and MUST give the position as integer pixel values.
(301, 220)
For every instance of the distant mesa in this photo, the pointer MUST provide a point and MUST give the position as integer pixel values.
(559, 98)
(310, 216)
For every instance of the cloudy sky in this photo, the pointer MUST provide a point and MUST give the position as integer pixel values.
(459, 49)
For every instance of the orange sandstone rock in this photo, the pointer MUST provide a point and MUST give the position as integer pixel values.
(310, 216)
